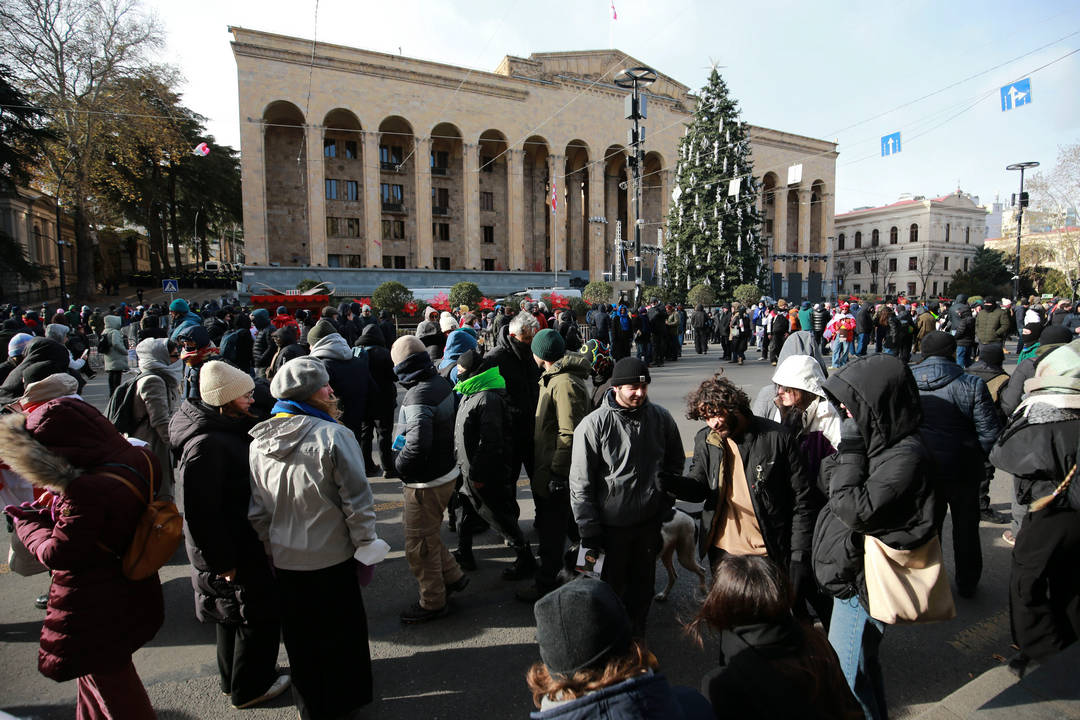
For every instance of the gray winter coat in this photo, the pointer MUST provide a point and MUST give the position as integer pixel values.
(157, 400)
(617, 456)
(117, 356)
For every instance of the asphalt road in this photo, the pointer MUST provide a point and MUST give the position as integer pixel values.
(471, 664)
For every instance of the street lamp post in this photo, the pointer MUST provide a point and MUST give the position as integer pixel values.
(60, 254)
(636, 78)
(1022, 201)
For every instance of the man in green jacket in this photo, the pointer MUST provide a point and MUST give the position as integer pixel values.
(991, 324)
(564, 401)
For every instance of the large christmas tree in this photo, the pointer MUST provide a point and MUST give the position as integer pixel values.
(714, 228)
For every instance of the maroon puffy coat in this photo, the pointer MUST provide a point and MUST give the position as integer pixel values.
(96, 617)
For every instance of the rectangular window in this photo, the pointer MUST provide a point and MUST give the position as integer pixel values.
(442, 263)
(873, 269)
(891, 289)
(488, 234)
(352, 190)
(441, 231)
(333, 261)
(332, 227)
(392, 197)
(946, 262)
(946, 232)
(487, 201)
(768, 227)
(858, 268)
(913, 263)
(935, 287)
(329, 147)
(396, 262)
(489, 264)
(351, 150)
(353, 227)
(331, 189)
(944, 288)
(440, 201)
(840, 242)
(892, 264)
(856, 288)
(440, 162)
(965, 264)
(911, 289)
(390, 156)
(967, 236)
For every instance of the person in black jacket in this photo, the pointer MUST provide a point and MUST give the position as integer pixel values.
(41, 357)
(864, 328)
(514, 358)
(779, 327)
(234, 587)
(749, 472)
(263, 348)
(964, 330)
(878, 484)
(763, 647)
(819, 318)
(388, 327)
(11, 328)
(698, 320)
(351, 381)
(960, 424)
(380, 417)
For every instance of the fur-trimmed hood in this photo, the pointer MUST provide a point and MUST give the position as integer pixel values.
(32, 460)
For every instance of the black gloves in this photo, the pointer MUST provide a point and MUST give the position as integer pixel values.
(595, 542)
(851, 440)
(672, 483)
(802, 578)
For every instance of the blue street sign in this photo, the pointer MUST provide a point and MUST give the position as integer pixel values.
(170, 285)
(890, 144)
(1016, 94)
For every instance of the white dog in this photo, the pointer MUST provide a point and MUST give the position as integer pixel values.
(680, 534)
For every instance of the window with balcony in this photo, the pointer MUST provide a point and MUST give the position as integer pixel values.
(440, 201)
(390, 157)
(329, 147)
(352, 190)
(488, 234)
(393, 197)
(351, 150)
(440, 162)
(441, 231)
(487, 201)
(331, 189)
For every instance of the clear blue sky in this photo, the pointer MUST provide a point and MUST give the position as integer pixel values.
(808, 68)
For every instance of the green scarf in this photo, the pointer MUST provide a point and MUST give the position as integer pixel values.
(490, 379)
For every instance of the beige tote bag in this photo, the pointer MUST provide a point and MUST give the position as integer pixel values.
(907, 586)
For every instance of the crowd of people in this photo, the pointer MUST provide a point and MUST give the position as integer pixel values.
(266, 427)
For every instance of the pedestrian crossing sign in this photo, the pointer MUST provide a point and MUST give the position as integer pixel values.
(170, 285)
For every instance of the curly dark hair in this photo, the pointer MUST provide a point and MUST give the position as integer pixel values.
(717, 396)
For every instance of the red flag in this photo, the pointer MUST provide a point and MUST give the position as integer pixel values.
(554, 198)
(614, 15)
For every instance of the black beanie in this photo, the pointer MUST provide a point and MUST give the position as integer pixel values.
(1055, 335)
(630, 371)
(992, 355)
(471, 363)
(938, 344)
(1032, 333)
(579, 625)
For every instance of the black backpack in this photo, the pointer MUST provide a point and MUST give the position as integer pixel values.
(103, 344)
(121, 408)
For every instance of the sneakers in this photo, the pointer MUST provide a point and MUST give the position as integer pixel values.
(416, 613)
(992, 516)
(1009, 537)
(280, 685)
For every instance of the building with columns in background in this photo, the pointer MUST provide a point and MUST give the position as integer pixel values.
(364, 160)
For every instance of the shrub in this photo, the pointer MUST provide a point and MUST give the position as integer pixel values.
(465, 293)
(392, 296)
(598, 291)
(748, 294)
(701, 293)
(306, 284)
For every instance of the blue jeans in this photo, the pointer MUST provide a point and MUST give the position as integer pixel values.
(860, 343)
(963, 355)
(840, 350)
(855, 636)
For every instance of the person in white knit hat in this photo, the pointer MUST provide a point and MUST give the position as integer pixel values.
(234, 586)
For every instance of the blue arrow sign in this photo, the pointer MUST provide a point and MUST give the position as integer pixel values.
(1016, 94)
(890, 144)
(170, 285)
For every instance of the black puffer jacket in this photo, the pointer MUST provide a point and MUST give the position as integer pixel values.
(963, 326)
(1013, 393)
(213, 471)
(884, 490)
(384, 390)
(427, 421)
(960, 421)
(1039, 450)
(779, 487)
(819, 318)
(864, 320)
(479, 437)
(263, 348)
(522, 376)
(349, 377)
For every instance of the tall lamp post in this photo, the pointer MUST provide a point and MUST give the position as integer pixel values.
(634, 79)
(60, 253)
(1023, 201)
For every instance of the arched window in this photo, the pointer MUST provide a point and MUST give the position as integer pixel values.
(840, 242)
(913, 233)
(858, 239)
(947, 228)
(894, 235)
(967, 235)
(875, 238)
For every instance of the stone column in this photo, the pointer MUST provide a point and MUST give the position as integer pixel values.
(665, 178)
(804, 228)
(422, 166)
(515, 207)
(372, 201)
(828, 208)
(575, 213)
(253, 191)
(471, 183)
(316, 190)
(558, 240)
(597, 236)
(780, 195)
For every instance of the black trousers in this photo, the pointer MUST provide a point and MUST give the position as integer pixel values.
(247, 658)
(961, 493)
(383, 424)
(553, 516)
(701, 341)
(630, 568)
(984, 485)
(326, 635)
(115, 377)
(496, 503)
(1044, 585)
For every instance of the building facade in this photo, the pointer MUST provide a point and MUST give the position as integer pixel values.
(910, 248)
(385, 161)
(28, 217)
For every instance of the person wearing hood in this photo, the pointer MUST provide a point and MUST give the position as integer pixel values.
(311, 504)
(282, 318)
(601, 368)
(195, 350)
(458, 342)
(230, 573)
(388, 327)
(779, 329)
(925, 324)
(567, 327)
(116, 355)
(262, 347)
(429, 325)
(16, 350)
(763, 647)
(32, 325)
(800, 342)
(60, 334)
(619, 450)
(1038, 343)
(819, 318)
(878, 484)
(563, 403)
(350, 378)
(182, 318)
(428, 471)
(156, 400)
(41, 357)
(959, 426)
(286, 348)
(484, 460)
(804, 313)
(513, 356)
(622, 332)
(383, 400)
(1039, 448)
(11, 328)
(96, 617)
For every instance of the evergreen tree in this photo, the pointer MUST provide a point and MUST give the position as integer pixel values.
(714, 228)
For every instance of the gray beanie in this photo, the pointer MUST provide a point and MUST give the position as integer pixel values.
(299, 379)
(581, 624)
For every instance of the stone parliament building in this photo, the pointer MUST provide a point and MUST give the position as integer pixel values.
(384, 161)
